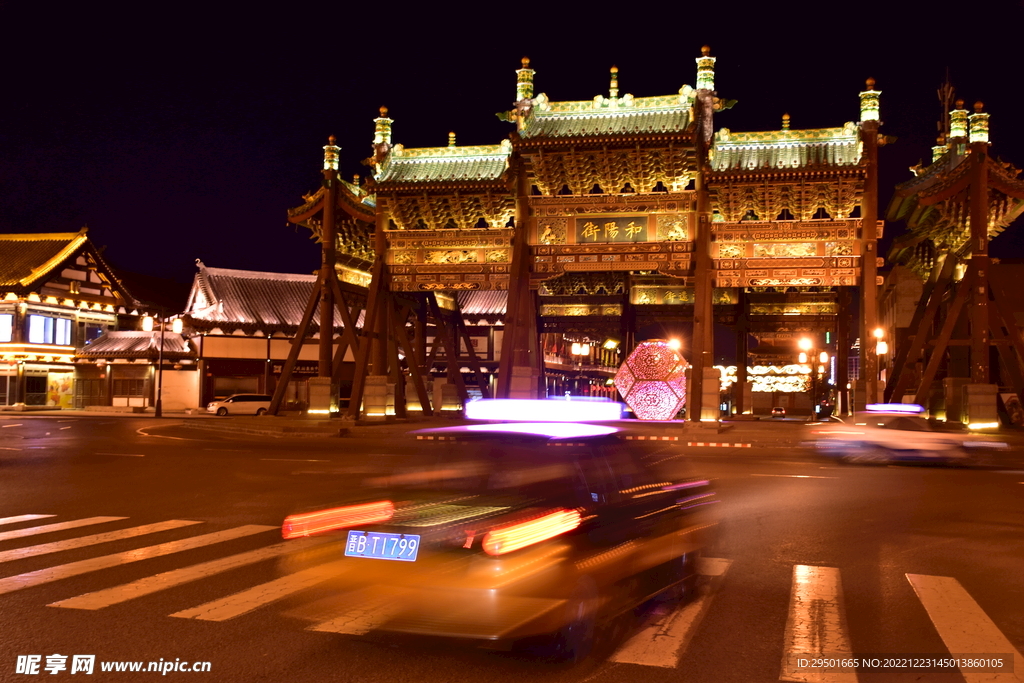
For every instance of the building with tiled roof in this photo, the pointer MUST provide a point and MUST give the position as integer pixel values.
(57, 295)
(240, 325)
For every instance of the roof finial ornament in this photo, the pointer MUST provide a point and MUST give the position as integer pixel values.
(705, 70)
(331, 155)
(524, 81)
(869, 101)
(381, 136)
(613, 88)
(785, 122)
(451, 139)
(958, 121)
(979, 124)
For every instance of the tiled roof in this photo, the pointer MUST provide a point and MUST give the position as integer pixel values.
(132, 344)
(483, 303)
(786, 149)
(619, 122)
(254, 298)
(26, 258)
(626, 115)
(444, 164)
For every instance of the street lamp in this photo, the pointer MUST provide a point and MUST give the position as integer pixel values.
(817, 375)
(579, 352)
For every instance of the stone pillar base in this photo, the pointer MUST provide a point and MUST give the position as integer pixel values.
(375, 398)
(446, 399)
(524, 382)
(980, 405)
(323, 398)
(711, 396)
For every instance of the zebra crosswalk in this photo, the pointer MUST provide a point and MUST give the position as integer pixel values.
(816, 621)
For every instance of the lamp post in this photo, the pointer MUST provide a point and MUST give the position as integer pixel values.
(881, 349)
(817, 375)
(579, 352)
(147, 325)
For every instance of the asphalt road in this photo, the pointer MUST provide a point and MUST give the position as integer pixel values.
(855, 559)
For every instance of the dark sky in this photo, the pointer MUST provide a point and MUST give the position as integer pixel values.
(178, 131)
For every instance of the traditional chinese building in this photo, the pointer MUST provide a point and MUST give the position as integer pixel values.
(57, 294)
(965, 319)
(605, 218)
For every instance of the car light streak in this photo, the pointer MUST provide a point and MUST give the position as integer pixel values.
(505, 540)
(337, 518)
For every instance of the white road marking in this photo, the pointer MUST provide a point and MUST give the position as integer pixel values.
(85, 541)
(2, 448)
(41, 576)
(816, 624)
(290, 460)
(963, 625)
(62, 428)
(60, 526)
(23, 518)
(175, 577)
(6, 426)
(250, 599)
(793, 476)
(126, 455)
(660, 643)
(141, 431)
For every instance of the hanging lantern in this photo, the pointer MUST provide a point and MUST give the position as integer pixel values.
(652, 380)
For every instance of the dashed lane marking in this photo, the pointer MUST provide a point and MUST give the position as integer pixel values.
(253, 598)
(816, 624)
(126, 455)
(963, 625)
(6, 426)
(290, 460)
(794, 476)
(27, 580)
(60, 526)
(85, 541)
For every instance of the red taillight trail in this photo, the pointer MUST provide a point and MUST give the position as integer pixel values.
(337, 518)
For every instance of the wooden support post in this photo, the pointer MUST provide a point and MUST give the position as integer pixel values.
(910, 353)
(1007, 342)
(411, 355)
(869, 262)
(329, 258)
(293, 354)
(481, 379)
(843, 350)
(942, 342)
(979, 210)
(373, 298)
(451, 349)
(742, 340)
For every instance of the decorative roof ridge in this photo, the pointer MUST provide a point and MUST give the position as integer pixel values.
(503, 149)
(41, 236)
(258, 275)
(75, 241)
(848, 131)
(627, 104)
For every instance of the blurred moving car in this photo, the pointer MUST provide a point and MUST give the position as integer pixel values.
(899, 433)
(516, 531)
(240, 404)
(778, 411)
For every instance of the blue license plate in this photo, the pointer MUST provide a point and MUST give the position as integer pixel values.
(381, 546)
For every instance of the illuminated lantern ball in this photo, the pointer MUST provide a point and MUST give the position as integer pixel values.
(652, 381)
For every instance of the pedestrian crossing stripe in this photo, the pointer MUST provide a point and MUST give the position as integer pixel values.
(85, 541)
(816, 622)
(41, 576)
(60, 526)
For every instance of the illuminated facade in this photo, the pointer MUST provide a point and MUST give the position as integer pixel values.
(57, 294)
(604, 216)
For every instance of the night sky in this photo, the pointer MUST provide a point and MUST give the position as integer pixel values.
(178, 132)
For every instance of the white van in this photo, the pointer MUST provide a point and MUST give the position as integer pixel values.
(241, 404)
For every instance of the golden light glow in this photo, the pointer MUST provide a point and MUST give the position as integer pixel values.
(802, 358)
(879, 333)
(177, 326)
(147, 324)
(804, 344)
(507, 539)
(675, 344)
(881, 348)
(983, 425)
(823, 357)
